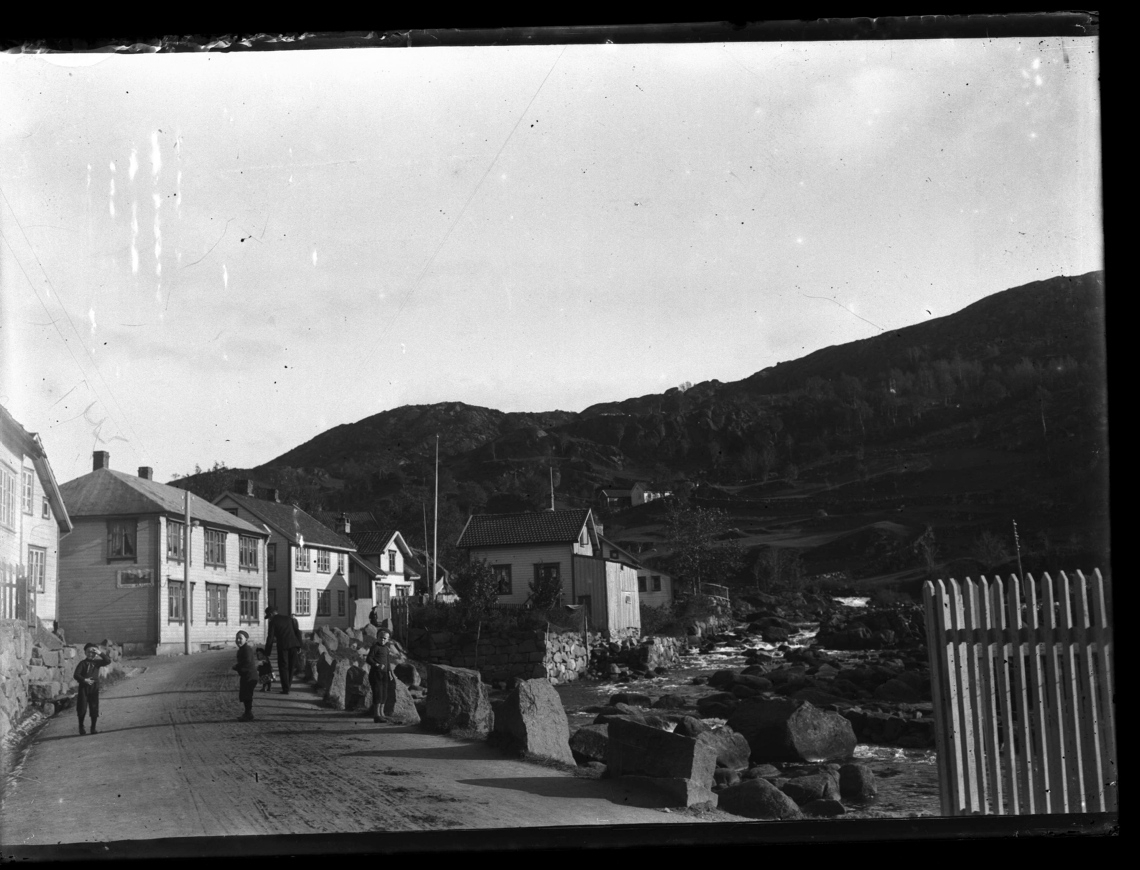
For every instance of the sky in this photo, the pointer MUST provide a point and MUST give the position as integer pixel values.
(216, 257)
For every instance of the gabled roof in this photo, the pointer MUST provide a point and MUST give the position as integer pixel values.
(366, 566)
(372, 542)
(548, 527)
(623, 555)
(292, 523)
(114, 493)
(20, 439)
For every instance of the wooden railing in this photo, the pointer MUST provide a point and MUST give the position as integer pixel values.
(1022, 682)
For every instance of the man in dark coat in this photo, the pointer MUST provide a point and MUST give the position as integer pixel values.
(287, 633)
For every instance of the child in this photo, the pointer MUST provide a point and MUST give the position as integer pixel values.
(246, 668)
(264, 670)
(87, 675)
(382, 674)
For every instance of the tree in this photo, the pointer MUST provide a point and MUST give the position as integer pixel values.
(545, 591)
(699, 556)
(477, 588)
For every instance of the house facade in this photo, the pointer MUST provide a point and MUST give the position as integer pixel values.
(307, 563)
(33, 517)
(560, 544)
(123, 569)
(655, 587)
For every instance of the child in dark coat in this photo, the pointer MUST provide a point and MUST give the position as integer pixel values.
(264, 670)
(87, 675)
(381, 663)
(246, 668)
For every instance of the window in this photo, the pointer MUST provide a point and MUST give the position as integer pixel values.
(503, 576)
(248, 599)
(28, 490)
(302, 562)
(121, 539)
(7, 498)
(271, 557)
(401, 591)
(352, 590)
(247, 553)
(175, 592)
(217, 594)
(640, 583)
(341, 603)
(324, 602)
(340, 562)
(46, 510)
(175, 540)
(216, 547)
(37, 567)
(351, 568)
(613, 554)
(391, 561)
(656, 582)
(549, 571)
(233, 511)
(303, 607)
(323, 561)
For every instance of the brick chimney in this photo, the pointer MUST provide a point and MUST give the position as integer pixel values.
(100, 459)
(274, 495)
(343, 525)
(146, 472)
(244, 487)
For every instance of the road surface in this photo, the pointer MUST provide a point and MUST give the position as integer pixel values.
(171, 760)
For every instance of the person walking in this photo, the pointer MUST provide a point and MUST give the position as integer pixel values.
(287, 633)
(87, 675)
(246, 668)
(382, 674)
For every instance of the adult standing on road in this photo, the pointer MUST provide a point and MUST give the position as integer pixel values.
(381, 674)
(287, 633)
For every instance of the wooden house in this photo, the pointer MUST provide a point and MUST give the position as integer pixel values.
(562, 544)
(655, 587)
(33, 516)
(307, 563)
(122, 569)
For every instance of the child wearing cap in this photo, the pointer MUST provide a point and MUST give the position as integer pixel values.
(246, 668)
(87, 675)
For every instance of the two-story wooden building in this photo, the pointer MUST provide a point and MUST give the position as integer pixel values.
(561, 544)
(33, 516)
(307, 562)
(123, 569)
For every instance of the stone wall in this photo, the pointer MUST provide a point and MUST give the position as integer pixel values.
(35, 671)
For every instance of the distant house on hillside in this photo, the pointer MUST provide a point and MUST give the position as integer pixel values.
(561, 544)
(307, 562)
(33, 516)
(638, 494)
(122, 570)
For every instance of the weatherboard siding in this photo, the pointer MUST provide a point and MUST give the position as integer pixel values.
(522, 559)
(32, 530)
(622, 609)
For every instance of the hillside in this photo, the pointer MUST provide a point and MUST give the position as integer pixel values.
(960, 424)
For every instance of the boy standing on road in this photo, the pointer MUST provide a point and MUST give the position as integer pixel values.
(87, 675)
(381, 674)
(246, 668)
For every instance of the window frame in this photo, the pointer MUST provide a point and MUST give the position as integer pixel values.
(324, 602)
(247, 552)
(122, 525)
(302, 553)
(206, 535)
(340, 563)
(341, 602)
(27, 490)
(171, 585)
(7, 497)
(271, 557)
(173, 525)
(248, 615)
(657, 584)
(307, 609)
(41, 577)
(324, 561)
(213, 600)
(45, 512)
(504, 572)
(642, 583)
(392, 561)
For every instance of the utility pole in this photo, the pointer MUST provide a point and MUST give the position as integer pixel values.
(186, 576)
(427, 558)
(435, 532)
(552, 487)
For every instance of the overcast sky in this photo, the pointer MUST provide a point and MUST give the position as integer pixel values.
(216, 257)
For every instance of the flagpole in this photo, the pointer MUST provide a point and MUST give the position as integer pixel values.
(186, 576)
(435, 533)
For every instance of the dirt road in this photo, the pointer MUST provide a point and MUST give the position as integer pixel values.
(171, 760)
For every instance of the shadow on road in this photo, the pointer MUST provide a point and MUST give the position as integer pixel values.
(458, 752)
(107, 731)
(575, 787)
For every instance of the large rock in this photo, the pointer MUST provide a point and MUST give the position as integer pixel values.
(805, 789)
(326, 667)
(400, 706)
(357, 691)
(408, 674)
(533, 720)
(758, 799)
(857, 783)
(456, 699)
(732, 750)
(589, 743)
(787, 730)
(336, 693)
(682, 765)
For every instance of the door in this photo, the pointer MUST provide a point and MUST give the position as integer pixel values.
(383, 599)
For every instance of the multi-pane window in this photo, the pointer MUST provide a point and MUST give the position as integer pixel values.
(247, 552)
(248, 598)
(217, 594)
(175, 540)
(27, 490)
(640, 583)
(7, 498)
(302, 563)
(271, 557)
(122, 537)
(215, 547)
(401, 591)
(46, 510)
(324, 602)
(391, 561)
(340, 562)
(175, 599)
(304, 603)
(503, 578)
(548, 572)
(656, 582)
(323, 561)
(341, 604)
(37, 567)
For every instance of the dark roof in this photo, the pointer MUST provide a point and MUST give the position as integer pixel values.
(359, 521)
(626, 556)
(291, 522)
(114, 493)
(371, 542)
(548, 527)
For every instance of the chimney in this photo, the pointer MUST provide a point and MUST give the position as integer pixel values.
(343, 525)
(244, 487)
(102, 459)
(146, 472)
(274, 495)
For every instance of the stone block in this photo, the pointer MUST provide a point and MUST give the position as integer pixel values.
(637, 749)
(533, 720)
(456, 699)
(786, 730)
(758, 799)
